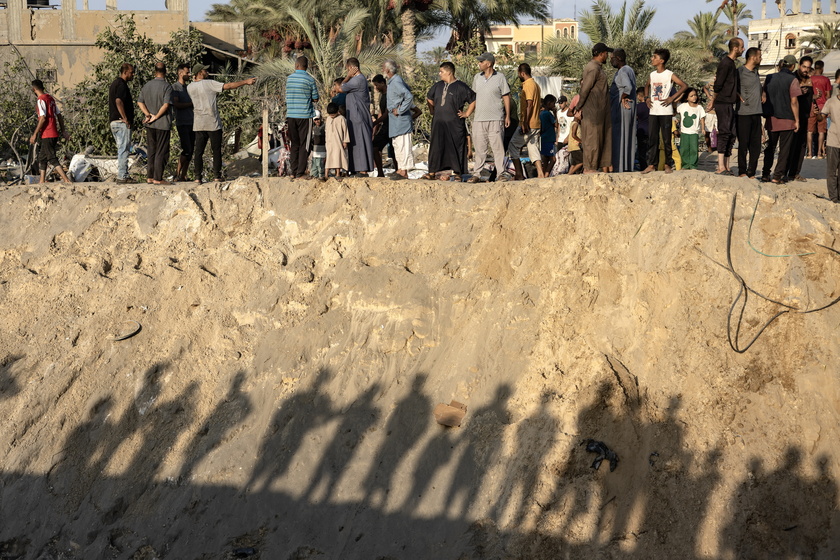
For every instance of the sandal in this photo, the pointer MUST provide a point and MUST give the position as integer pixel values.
(429, 176)
(474, 179)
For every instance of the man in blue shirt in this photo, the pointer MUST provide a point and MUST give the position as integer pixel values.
(301, 93)
(400, 102)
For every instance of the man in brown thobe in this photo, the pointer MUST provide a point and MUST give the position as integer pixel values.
(594, 107)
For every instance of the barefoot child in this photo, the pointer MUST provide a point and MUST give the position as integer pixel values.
(660, 101)
(338, 137)
(575, 151)
(691, 115)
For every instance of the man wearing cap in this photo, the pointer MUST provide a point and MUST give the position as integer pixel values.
(301, 94)
(782, 91)
(623, 113)
(207, 123)
(594, 109)
(727, 85)
(492, 116)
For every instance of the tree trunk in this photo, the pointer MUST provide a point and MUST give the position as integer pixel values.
(409, 40)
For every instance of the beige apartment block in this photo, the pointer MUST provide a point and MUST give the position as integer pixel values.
(57, 41)
(528, 39)
(785, 34)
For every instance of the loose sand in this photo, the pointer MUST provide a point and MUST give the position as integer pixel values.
(296, 336)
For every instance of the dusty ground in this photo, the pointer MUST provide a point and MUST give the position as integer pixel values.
(296, 336)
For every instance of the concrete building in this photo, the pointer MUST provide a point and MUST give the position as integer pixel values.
(527, 39)
(57, 42)
(783, 35)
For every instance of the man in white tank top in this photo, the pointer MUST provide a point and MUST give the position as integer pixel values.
(661, 103)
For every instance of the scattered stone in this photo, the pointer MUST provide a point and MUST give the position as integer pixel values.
(451, 414)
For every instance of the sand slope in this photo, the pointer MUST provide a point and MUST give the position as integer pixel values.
(297, 335)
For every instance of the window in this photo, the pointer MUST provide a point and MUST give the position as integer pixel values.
(573, 32)
(566, 33)
(764, 36)
(790, 41)
(45, 75)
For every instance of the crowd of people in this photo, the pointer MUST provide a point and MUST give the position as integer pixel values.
(608, 127)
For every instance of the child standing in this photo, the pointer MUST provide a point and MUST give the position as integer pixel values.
(692, 118)
(338, 137)
(548, 132)
(575, 151)
(319, 147)
(660, 102)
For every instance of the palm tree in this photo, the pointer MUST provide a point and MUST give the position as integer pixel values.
(706, 33)
(329, 49)
(735, 17)
(436, 55)
(267, 26)
(735, 12)
(824, 38)
(468, 18)
(602, 25)
(417, 18)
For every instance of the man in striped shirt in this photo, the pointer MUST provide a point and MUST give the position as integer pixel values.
(301, 93)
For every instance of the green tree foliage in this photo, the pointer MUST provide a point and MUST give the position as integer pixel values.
(735, 16)
(706, 33)
(825, 38)
(328, 53)
(85, 106)
(602, 25)
(17, 109)
(468, 18)
(271, 31)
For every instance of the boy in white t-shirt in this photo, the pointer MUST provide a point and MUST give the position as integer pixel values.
(691, 115)
(831, 109)
(660, 101)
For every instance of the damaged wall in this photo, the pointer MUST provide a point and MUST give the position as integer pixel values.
(65, 38)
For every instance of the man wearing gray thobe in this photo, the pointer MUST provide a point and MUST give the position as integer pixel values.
(623, 113)
(358, 119)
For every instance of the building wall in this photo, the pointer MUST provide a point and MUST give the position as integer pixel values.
(781, 36)
(529, 38)
(64, 39)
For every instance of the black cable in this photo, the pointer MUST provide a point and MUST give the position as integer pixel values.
(744, 290)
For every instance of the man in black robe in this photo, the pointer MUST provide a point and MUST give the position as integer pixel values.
(448, 144)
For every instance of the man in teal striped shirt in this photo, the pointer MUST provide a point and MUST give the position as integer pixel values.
(301, 94)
